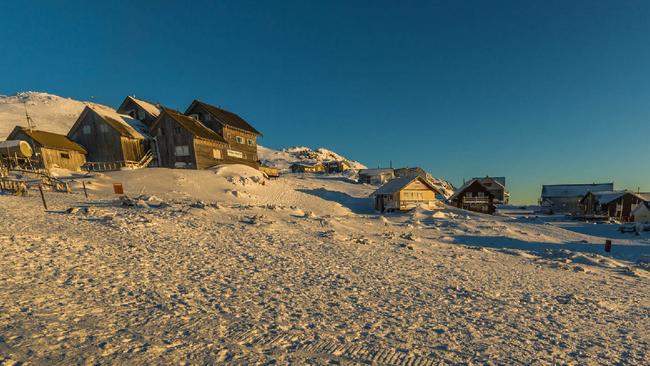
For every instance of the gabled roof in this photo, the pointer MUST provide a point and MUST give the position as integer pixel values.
(154, 109)
(377, 171)
(574, 190)
(644, 196)
(467, 184)
(225, 117)
(605, 197)
(397, 184)
(191, 125)
(498, 180)
(49, 139)
(123, 124)
(644, 205)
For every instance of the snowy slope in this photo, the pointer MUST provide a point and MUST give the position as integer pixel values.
(299, 270)
(49, 112)
(282, 159)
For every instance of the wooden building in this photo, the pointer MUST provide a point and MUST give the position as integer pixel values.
(496, 186)
(610, 204)
(405, 193)
(565, 198)
(110, 137)
(146, 112)
(51, 150)
(474, 196)
(239, 134)
(337, 166)
(185, 142)
(376, 176)
(307, 168)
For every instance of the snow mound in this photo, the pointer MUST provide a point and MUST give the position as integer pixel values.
(49, 112)
(282, 159)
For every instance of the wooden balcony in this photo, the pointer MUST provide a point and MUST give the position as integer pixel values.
(476, 200)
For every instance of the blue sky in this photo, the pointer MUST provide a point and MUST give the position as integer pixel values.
(538, 91)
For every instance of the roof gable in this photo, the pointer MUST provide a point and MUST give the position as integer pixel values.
(153, 109)
(223, 116)
(574, 190)
(471, 183)
(48, 139)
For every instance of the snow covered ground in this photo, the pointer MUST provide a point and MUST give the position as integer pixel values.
(224, 266)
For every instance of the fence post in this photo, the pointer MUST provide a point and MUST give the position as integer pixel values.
(40, 189)
(84, 185)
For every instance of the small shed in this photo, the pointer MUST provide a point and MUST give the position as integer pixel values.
(405, 193)
(305, 167)
(474, 196)
(376, 176)
(185, 142)
(51, 150)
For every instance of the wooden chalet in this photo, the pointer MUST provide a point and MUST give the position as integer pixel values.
(405, 193)
(610, 204)
(239, 134)
(474, 196)
(185, 142)
(51, 150)
(146, 112)
(316, 167)
(113, 140)
(496, 186)
(376, 176)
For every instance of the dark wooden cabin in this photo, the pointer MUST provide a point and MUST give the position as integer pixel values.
(142, 110)
(496, 186)
(610, 204)
(474, 196)
(110, 137)
(185, 142)
(239, 134)
(51, 150)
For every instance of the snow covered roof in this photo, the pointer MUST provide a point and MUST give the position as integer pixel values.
(225, 117)
(151, 108)
(123, 124)
(398, 183)
(49, 139)
(379, 171)
(605, 197)
(574, 190)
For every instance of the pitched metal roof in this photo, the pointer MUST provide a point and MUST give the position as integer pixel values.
(397, 184)
(225, 117)
(193, 126)
(49, 139)
(574, 190)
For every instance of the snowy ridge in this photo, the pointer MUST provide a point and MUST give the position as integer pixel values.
(49, 112)
(282, 159)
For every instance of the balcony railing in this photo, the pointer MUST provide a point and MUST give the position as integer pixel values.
(476, 200)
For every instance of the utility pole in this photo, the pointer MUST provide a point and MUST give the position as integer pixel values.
(30, 122)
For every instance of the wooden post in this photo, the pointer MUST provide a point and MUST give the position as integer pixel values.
(40, 189)
(608, 246)
(84, 185)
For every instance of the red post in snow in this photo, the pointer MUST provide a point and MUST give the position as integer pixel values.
(608, 246)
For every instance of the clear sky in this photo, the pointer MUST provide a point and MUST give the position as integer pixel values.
(538, 91)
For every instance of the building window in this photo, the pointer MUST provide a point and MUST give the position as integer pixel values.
(87, 129)
(250, 142)
(228, 135)
(64, 155)
(182, 150)
(177, 129)
(239, 139)
(216, 153)
(103, 128)
(207, 117)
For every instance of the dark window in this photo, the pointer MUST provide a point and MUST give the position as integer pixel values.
(177, 129)
(65, 155)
